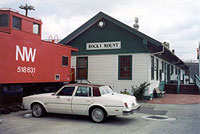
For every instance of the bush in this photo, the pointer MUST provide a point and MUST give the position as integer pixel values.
(124, 92)
(138, 92)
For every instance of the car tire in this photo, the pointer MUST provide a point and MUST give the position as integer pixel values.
(98, 115)
(38, 110)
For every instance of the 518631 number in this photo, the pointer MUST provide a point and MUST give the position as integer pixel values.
(26, 69)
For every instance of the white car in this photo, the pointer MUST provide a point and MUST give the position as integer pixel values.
(95, 101)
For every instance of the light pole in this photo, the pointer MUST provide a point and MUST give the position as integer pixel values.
(26, 8)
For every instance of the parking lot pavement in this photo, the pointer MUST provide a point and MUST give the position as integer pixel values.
(187, 122)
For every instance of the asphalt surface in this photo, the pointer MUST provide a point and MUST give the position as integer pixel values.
(187, 122)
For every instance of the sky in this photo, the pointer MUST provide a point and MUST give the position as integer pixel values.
(173, 21)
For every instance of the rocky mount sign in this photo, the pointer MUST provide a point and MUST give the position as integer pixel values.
(103, 45)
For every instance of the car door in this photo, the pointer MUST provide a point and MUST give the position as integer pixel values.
(61, 101)
(81, 100)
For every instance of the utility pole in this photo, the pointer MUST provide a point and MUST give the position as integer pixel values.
(26, 8)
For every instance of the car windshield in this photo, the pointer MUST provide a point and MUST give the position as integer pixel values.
(105, 90)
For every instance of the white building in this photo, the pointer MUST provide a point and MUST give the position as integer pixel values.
(112, 53)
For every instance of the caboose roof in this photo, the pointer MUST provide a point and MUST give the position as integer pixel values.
(16, 13)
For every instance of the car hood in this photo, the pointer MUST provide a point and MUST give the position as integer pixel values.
(39, 95)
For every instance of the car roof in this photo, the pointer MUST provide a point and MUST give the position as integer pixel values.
(84, 84)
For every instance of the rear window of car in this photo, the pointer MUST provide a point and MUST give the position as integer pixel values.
(96, 92)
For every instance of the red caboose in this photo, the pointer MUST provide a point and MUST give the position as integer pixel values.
(25, 58)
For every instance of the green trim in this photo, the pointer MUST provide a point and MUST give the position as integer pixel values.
(152, 68)
(157, 69)
(178, 85)
(110, 33)
(145, 41)
(130, 67)
(135, 34)
(100, 16)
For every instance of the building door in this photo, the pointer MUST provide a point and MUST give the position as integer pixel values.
(82, 68)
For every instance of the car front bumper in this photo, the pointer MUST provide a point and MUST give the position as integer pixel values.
(136, 108)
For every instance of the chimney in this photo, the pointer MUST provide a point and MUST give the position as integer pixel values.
(136, 25)
(173, 51)
(166, 44)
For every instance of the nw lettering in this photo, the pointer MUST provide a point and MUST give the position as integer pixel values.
(25, 54)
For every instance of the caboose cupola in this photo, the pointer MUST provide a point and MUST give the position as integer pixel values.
(13, 22)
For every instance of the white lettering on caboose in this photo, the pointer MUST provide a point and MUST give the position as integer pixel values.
(25, 54)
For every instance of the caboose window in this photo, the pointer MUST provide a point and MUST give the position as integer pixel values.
(16, 22)
(36, 28)
(3, 20)
(65, 61)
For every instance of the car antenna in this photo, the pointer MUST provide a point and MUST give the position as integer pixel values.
(26, 8)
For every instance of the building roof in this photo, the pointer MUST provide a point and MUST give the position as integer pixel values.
(98, 17)
(152, 44)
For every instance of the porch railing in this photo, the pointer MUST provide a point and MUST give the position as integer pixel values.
(197, 81)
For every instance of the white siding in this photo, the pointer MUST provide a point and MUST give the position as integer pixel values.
(140, 68)
(103, 69)
(154, 83)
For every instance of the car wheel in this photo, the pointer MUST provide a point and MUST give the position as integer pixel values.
(98, 115)
(38, 110)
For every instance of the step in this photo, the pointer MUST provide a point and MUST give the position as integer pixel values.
(184, 89)
(167, 91)
(188, 93)
(181, 91)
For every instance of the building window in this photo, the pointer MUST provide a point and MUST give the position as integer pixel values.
(172, 69)
(163, 67)
(160, 75)
(176, 71)
(64, 60)
(168, 72)
(36, 28)
(179, 71)
(165, 73)
(157, 69)
(82, 68)
(152, 67)
(125, 67)
(16, 22)
(4, 20)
